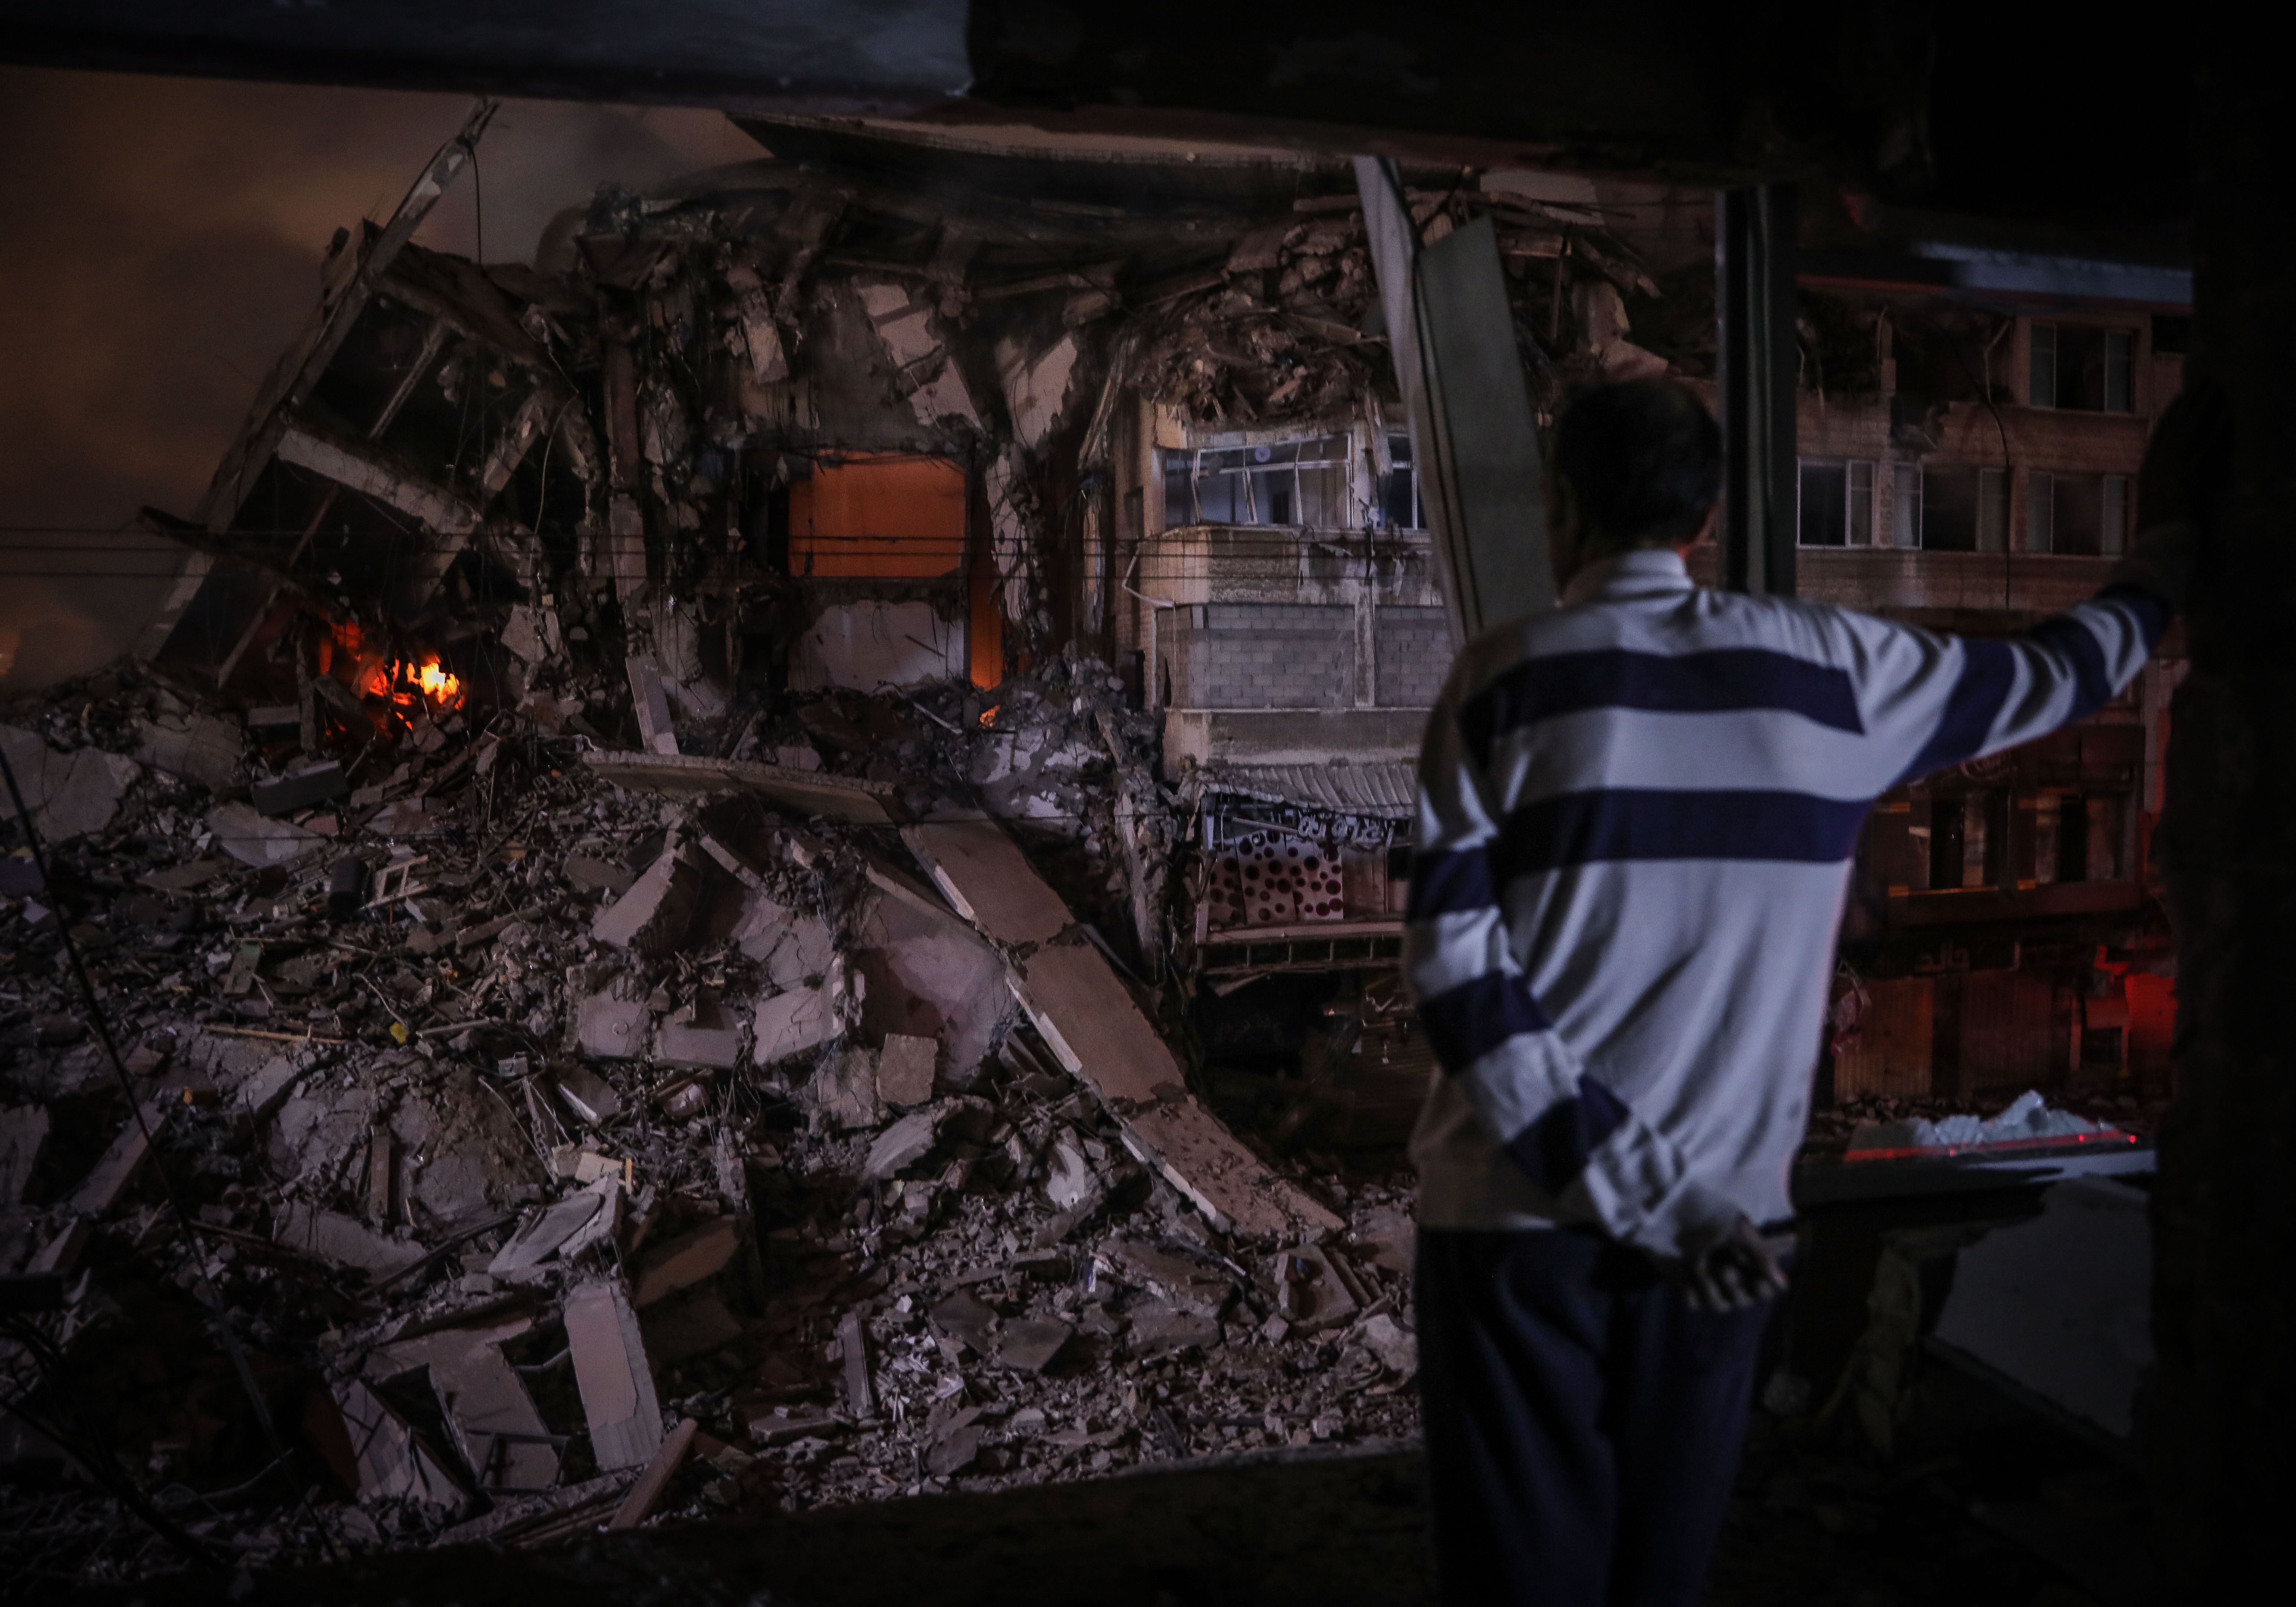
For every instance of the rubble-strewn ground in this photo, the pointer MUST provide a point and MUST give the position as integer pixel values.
(859, 1281)
(861, 1271)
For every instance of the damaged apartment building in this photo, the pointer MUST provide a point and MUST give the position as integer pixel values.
(761, 863)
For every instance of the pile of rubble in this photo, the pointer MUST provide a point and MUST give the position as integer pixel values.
(559, 1144)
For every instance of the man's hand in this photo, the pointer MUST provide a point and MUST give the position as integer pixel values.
(1728, 1269)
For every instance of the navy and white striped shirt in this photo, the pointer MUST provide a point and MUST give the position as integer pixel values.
(1636, 819)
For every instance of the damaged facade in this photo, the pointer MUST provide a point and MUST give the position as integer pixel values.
(762, 863)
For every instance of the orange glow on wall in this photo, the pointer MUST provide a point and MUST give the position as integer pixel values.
(984, 618)
(894, 517)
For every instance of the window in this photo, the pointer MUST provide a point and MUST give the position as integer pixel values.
(1992, 510)
(2044, 388)
(1295, 482)
(2119, 372)
(2040, 512)
(1399, 498)
(1906, 506)
(1824, 502)
(1967, 835)
(1836, 503)
(1861, 504)
(890, 516)
(2082, 515)
(1950, 503)
(2087, 370)
(2112, 530)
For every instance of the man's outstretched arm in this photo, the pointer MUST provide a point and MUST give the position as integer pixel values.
(1966, 698)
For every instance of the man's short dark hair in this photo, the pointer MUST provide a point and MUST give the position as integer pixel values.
(1645, 458)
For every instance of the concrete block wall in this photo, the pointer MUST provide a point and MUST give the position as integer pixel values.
(1290, 655)
(1262, 655)
(1411, 648)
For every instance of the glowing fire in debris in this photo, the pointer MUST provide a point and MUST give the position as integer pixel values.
(435, 682)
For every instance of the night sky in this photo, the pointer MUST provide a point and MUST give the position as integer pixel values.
(159, 243)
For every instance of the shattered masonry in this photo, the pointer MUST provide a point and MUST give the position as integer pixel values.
(762, 864)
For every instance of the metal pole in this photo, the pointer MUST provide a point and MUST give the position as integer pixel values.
(1760, 360)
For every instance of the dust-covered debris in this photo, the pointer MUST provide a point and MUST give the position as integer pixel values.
(598, 1109)
(583, 1098)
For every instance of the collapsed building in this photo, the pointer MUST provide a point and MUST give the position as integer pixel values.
(762, 862)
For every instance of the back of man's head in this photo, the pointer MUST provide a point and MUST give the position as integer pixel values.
(1644, 460)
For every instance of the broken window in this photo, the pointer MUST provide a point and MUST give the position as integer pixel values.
(2082, 369)
(1400, 505)
(1861, 504)
(887, 517)
(1299, 482)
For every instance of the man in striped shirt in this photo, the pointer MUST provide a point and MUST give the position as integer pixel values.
(1636, 818)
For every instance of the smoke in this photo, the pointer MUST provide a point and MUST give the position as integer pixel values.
(159, 243)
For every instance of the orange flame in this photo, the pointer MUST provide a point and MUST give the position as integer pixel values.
(410, 683)
(437, 683)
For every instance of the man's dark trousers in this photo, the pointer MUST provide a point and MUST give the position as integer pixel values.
(1583, 1422)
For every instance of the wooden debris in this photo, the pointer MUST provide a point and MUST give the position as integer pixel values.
(646, 1493)
(806, 792)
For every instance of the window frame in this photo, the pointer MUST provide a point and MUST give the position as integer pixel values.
(1256, 470)
(1992, 504)
(1905, 504)
(1850, 468)
(2040, 376)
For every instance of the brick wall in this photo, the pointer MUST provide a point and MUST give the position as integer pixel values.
(1411, 652)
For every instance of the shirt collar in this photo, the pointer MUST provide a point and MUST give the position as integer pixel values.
(1644, 572)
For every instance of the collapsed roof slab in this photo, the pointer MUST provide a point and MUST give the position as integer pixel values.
(1093, 1023)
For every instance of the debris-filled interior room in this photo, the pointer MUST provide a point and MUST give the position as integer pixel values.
(739, 921)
